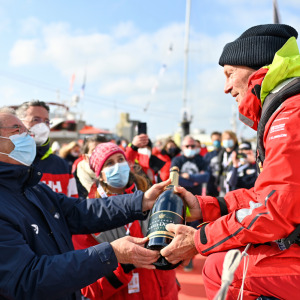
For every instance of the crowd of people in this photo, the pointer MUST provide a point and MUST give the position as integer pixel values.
(74, 217)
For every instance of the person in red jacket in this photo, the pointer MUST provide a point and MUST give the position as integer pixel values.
(127, 281)
(262, 73)
(139, 155)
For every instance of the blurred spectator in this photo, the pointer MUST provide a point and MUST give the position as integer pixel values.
(139, 153)
(211, 159)
(128, 281)
(168, 152)
(81, 170)
(230, 145)
(122, 143)
(70, 153)
(55, 147)
(56, 172)
(201, 148)
(158, 146)
(192, 167)
(244, 171)
(192, 170)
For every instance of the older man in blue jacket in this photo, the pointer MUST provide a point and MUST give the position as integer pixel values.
(37, 258)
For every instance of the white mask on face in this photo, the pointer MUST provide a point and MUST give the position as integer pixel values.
(145, 151)
(40, 133)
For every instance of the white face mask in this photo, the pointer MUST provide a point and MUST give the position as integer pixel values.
(145, 151)
(40, 133)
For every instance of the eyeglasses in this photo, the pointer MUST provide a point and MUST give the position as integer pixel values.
(38, 120)
(17, 127)
(189, 146)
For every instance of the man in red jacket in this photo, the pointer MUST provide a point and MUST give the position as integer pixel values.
(262, 73)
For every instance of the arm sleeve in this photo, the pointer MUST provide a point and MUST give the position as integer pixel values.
(131, 154)
(106, 287)
(25, 275)
(187, 183)
(112, 283)
(200, 177)
(101, 214)
(266, 212)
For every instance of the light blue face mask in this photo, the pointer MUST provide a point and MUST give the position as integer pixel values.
(228, 143)
(188, 152)
(117, 176)
(25, 148)
(217, 144)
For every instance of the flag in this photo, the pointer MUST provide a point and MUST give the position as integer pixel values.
(83, 85)
(72, 82)
(276, 18)
(161, 72)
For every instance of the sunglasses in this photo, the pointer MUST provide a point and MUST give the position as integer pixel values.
(189, 146)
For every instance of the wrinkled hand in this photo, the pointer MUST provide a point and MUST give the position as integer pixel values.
(192, 203)
(182, 246)
(140, 140)
(130, 250)
(151, 195)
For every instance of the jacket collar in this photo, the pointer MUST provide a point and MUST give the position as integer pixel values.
(18, 177)
(285, 65)
(41, 150)
(250, 106)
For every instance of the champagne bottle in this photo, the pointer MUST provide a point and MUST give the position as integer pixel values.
(168, 208)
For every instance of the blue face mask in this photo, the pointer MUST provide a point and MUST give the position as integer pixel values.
(228, 143)
(117, 176)
(217, 144)
(188, 152)
(25, 148)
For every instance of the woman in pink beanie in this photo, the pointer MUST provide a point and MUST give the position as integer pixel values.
(113, 175)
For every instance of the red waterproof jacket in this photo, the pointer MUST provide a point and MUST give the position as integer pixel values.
(165, 170)
(153, 284)
(269, 211)
(133, 157)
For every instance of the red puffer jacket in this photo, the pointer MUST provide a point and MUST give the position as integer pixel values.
(152, 284)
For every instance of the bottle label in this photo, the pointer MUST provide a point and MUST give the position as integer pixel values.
(158, 222)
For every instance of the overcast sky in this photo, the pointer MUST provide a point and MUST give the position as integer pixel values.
(132, 52)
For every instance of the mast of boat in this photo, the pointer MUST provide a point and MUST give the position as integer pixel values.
(186, 118)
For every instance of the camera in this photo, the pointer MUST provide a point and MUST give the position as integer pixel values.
(241, 155)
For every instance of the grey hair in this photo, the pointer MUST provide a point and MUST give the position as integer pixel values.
(188, 137)
(21, 111)
(6, 110)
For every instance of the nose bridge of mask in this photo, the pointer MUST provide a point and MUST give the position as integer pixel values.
(112, 170)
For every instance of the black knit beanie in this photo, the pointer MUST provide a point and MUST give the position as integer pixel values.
(257, 46)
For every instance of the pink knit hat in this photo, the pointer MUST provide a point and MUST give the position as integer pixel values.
(101, 153)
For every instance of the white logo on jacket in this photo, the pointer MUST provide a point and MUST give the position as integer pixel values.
(35, 228)
(55, 186)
